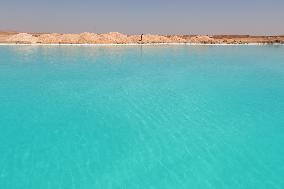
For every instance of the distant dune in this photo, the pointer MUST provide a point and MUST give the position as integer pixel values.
(118, 38)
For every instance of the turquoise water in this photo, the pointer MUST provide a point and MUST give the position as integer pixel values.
(166, 117)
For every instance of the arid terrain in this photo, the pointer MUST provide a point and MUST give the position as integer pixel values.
(118, 38)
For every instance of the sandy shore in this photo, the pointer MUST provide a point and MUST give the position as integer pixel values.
(115, 38)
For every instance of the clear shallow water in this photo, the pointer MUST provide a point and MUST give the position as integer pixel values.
(141, 117)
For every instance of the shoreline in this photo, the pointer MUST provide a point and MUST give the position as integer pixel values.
(145, 44)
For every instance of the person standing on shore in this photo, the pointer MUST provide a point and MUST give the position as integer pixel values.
(141, 37)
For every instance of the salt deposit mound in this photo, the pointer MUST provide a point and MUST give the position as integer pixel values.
(148, 38)
(88, 38)
(176, 39)
(69, 38)
(49, 38)
(92, 38)
(59, 38)
(22, 38)
(103, 39)
(115, 37)
(201, 39)
(133, 38)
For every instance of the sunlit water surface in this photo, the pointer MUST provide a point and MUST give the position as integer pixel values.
(166, 117)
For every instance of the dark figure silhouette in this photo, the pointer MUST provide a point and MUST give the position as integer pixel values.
(141, 37)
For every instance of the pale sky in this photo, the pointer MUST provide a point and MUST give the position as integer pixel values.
(256, 17)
